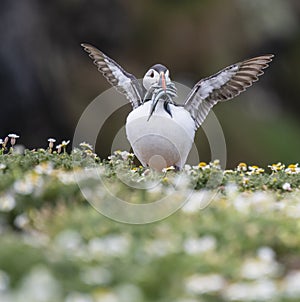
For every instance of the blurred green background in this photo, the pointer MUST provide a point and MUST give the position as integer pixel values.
(47, 80)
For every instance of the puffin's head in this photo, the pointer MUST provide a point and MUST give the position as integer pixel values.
(159, 75)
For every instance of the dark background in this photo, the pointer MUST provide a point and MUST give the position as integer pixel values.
(46, 80)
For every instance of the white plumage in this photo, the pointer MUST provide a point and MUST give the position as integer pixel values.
(162, 141)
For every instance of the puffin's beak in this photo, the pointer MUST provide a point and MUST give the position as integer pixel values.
(162, 81)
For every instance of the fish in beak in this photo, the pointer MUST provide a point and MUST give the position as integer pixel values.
(162, 84)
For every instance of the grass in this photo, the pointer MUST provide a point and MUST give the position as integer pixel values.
(242, 245)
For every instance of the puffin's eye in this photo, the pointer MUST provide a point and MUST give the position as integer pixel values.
(152, 74)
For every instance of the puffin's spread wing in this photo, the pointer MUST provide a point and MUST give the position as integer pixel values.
(123, 81)
(223, 86)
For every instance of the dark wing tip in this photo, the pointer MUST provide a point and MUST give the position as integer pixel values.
(89, 48)
(95, 54)
(270, 55)
(268, 58)
(262, 60)
(92, 50)
(86, 45)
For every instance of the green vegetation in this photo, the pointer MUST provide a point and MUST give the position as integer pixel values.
(241, 245)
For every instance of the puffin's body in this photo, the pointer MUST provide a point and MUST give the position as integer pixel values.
(161, 132)
(162, 141)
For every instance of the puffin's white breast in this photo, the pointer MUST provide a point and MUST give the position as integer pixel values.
(163, 140)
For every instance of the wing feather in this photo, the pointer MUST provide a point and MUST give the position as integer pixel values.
(224, 85)
(123, 81)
